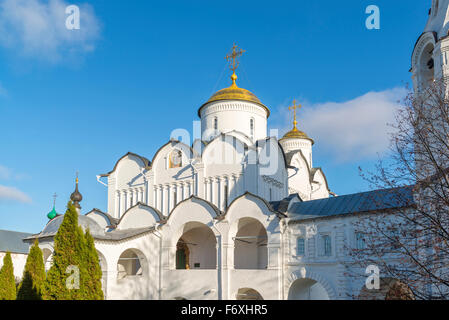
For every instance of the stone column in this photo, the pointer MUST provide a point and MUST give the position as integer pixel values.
(179, 193)
(128, 199)
(215, 191)
(165, 199)
(122, 203)
(135, 197)
(117, 204)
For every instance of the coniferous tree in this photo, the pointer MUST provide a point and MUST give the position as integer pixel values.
(33, 275)
(7, 280)
(93, 290)
(66, 278)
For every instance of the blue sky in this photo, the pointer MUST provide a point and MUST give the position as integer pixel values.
(136, 70)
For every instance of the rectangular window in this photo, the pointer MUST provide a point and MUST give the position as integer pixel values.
(360, 240)
(300, 247)
(327, 245)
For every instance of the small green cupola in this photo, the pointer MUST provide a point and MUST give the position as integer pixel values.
(53, 214)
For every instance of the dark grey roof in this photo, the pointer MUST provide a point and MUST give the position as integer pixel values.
(12, 241)
(376, 200)
(52, 227)
(283, 204)
(85, 222)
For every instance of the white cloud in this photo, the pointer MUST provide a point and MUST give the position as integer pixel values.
(13, 194)
(36, 28)
(354, 129)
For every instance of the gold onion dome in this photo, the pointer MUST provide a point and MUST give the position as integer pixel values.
(295, 133)
(235, 93)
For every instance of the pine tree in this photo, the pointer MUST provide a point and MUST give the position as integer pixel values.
(93, 289)
(66, 278)
(33, 275)
(7, 280)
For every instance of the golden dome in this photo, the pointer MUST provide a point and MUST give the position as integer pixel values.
(234, 93)
(296, 134)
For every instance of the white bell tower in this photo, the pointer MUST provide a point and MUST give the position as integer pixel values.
(430, 59)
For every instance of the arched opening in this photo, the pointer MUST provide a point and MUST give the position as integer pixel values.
(307, 289)
(250, 245)
(130, 264)
(389, 289)
(196, 248)
(48, 258)
(104, 270)
(248, 294)
(427, 66)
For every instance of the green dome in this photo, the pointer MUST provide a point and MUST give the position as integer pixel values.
(52, 214)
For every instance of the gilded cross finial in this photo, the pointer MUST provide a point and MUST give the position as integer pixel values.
(294, 107)
(77, 180)
(234, 62)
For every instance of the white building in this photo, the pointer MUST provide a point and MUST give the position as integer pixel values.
(237, 215)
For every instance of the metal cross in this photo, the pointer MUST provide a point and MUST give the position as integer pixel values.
(234, 55)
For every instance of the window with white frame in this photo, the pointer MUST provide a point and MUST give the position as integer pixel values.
(300, 246)
(360, 240)
(326, 245)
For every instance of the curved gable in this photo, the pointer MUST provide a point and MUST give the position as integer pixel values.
(225, 150)
(103, 219)
(140, 216)
(318, 177)
(159, 165)
(144, 162)
(249, 205)
(198, 210)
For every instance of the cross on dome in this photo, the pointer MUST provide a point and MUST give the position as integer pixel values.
(233, 59)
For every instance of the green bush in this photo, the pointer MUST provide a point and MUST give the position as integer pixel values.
(7, 280)
(33, 275)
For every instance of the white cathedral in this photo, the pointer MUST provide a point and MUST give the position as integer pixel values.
(239, 214)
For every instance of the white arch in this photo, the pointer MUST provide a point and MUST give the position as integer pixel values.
(306, 274)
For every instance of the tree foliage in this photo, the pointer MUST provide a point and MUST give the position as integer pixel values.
(7, 280)
(75, 273)
(65, 279)
(33, 275)
(92, 264)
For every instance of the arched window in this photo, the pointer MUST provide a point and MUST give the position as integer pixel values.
(129, 264)
(251, 127)
(427, 64)
(175, 159)
(215, 123)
